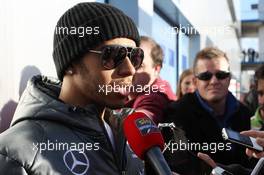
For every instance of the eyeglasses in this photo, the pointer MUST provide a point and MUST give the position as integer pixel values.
(220, 75)
(114, 55)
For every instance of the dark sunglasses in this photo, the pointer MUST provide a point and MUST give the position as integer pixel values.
(114, 55)
(220, 75)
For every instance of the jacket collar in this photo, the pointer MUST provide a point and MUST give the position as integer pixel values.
(232, 105)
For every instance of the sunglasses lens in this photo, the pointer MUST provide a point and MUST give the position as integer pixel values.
(121, 53)
(205, 76)
(113, 55)
(107, 55)
(222, 75)
(136, 57)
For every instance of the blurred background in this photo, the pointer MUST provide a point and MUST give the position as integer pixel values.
(181, 27)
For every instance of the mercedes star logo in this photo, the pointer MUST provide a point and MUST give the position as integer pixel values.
(76, 161)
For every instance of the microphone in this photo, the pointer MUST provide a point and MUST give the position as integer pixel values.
(146, 140)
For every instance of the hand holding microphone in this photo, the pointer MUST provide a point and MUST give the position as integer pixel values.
(146, 141)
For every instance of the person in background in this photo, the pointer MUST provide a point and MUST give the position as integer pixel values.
(257, 121)
(185, 84)
(157, 93)
(251, 98)
(203, 114)
(8, 110)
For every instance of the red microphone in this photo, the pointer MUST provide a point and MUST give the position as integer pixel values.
(145, 139)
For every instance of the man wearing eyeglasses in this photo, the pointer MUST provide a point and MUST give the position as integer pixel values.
(62, 127)
(204, 113)
(257, 121)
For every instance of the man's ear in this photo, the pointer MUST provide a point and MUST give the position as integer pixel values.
(194, 79)
(70, 70)
(158, 68)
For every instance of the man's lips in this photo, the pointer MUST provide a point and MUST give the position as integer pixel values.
(214, 88)
(124, 91)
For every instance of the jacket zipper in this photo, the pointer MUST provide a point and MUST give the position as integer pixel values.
(122, 172)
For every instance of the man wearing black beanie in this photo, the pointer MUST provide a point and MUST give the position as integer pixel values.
(62, 126)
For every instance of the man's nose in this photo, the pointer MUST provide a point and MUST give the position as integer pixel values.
(214, 79)
(126, 68)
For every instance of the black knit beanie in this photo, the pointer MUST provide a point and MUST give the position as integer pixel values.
(85, 26)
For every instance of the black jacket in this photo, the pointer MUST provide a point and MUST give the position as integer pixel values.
(201, 127)
(50, 137)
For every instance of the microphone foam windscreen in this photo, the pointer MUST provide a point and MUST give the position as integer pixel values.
(142, 133)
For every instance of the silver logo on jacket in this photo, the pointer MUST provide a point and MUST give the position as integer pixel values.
(76, 161)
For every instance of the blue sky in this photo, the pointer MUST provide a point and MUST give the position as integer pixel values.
(245, 10)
